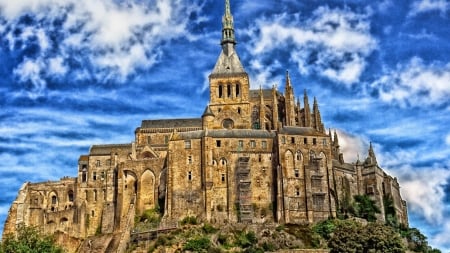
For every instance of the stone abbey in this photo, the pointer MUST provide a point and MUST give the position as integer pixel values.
(254, 156)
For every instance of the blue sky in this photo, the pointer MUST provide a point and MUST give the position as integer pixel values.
(79, 72)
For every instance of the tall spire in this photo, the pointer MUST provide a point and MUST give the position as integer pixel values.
(227, 26)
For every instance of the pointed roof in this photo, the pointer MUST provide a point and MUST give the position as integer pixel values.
(288, 80)
(208, 112)
(228, 62)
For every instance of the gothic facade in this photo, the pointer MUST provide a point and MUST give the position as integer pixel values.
(254, 156)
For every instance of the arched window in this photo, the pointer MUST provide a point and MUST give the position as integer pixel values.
(220, 91)
(238, 90)
(54, 200)
(70, 195)
(84, 174)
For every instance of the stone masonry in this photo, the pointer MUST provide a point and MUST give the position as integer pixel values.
(254, 156)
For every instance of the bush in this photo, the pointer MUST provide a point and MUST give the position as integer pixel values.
(209, 229)
(245, 240)
(325, 228)
(189, 220)
(199, 244)
(350, 236)
(29, 239)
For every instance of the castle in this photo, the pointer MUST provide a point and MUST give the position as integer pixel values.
(254, 156)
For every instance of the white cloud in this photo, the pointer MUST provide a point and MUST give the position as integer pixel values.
(353, 147)
(424, 191)
(115, 38)
(415, 83)
(422, 6)
(31, 71)
(333, 43)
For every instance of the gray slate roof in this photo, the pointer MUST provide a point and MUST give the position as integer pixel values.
(108, 148)
(172, 123)
(228, 63)
(224, 133)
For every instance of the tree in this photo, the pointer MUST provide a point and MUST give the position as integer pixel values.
(352, 237)
(29, 240)
(365, 208)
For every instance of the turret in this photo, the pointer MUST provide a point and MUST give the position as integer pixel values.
(207, 117)
(317, 118)
(289, 102)
(275, 116)
(262, 109)
(371, 158)
(307, 112)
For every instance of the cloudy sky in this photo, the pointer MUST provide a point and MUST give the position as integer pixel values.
(79, 72)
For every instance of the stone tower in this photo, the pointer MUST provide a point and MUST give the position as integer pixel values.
(229, 83)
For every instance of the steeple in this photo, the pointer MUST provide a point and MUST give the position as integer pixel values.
(228, 62)
(290, 101)
(227, 26)
(372, 158)
(317, 118)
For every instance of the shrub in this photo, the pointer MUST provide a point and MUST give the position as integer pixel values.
(198, 244)
(325, 228)
(209, 229)
(28, 239)
(189, 220)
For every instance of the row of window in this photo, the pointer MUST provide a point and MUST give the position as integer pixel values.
(294, 140)
(94, 194)
(94, 176)
(226, 91)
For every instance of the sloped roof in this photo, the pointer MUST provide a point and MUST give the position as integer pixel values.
(224, 133)
(172, 123)
(108, 148)
(228, 63)
(293, 130)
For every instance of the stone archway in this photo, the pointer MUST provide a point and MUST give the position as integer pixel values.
(146, 191)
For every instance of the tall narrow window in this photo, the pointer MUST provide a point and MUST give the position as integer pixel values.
(253, 144)
(189, 160)
(296, 173)
(314, 141)
(190, 175)
(98, 163)
(218, 143)
(70, 195)
(94, 175)
(187, 144)
(238, 90)
(223, 178)
(220, 91)
(297, 191)
(264, 144)
(95, 195)
(54, 199)
(305, 140)
(229, 90)
(240, 143)
(84, 175)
